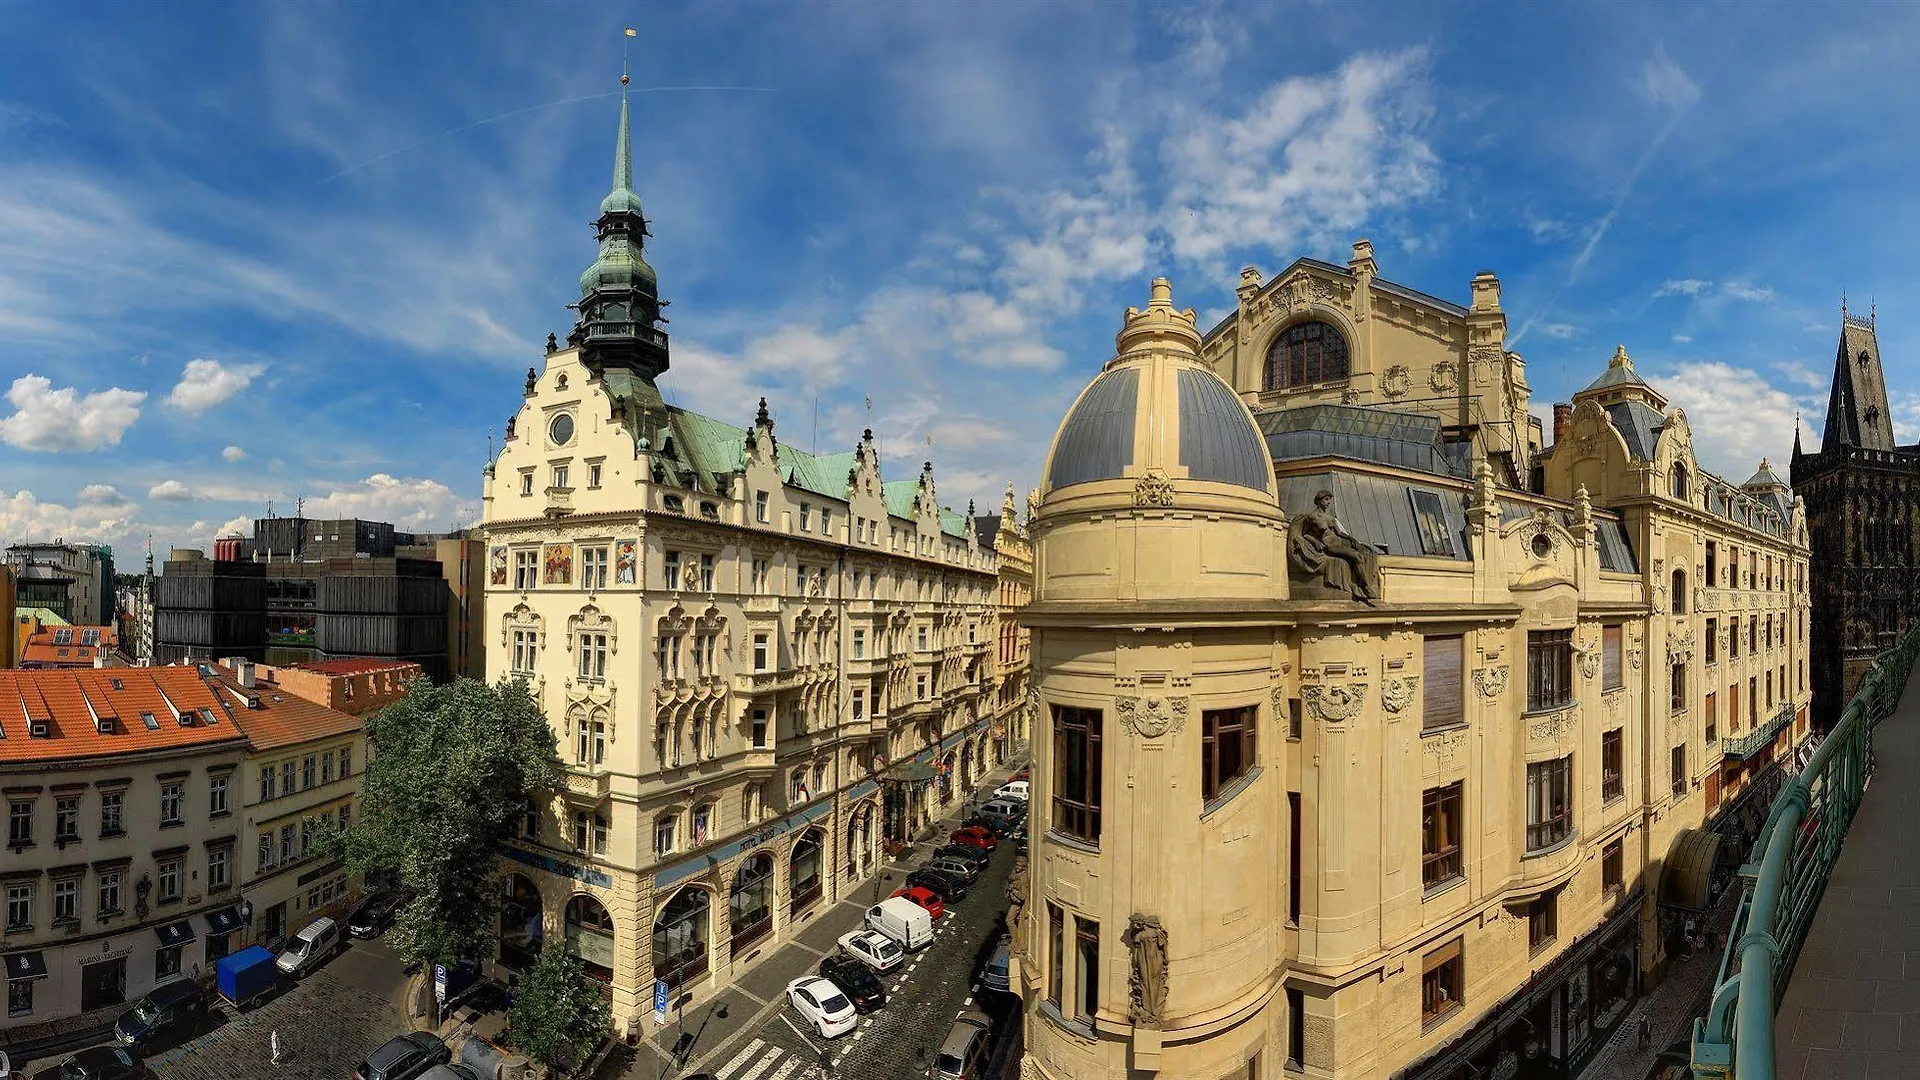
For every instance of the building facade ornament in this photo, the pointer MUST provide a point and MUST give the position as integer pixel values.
(1152, 717)
(1325, 561)
(1147, 940)
(1552, 725)
(1154, 489)
(1335, 703)
(1397, 381)
(1445, 747)
(1445, 377)
(1680, 647)
(1396, 692)
(1491, 681)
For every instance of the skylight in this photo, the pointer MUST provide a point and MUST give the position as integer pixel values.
(147, 719)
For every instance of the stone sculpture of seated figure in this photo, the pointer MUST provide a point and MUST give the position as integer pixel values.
(1327, 559)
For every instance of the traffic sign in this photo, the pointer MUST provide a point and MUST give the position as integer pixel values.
(660, 992)
(440, 983)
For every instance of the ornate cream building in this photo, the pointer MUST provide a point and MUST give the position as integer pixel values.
(1374, 737)
(1005, 533)
(761, 663)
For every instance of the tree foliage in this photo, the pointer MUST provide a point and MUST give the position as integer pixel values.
(559, 1016)
(448, 775)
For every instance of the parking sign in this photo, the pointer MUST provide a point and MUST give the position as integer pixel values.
(660, 1001)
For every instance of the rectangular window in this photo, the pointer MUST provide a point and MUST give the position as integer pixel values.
(1056, 953)
(920, 685)
(806, 516)
(1610, 675)
(1432, 519)
(1226, 748)
(593, 656)
(582, 829)
(1086, 940)
(110, 806)
(1753, 634)
(526, 564)
(20, 997)
(1680, 771)
(1713, 727)
(20, 823)
(1713, 641)
(1076, 772)
(169, 880)
(670, 571)
(1753, 701)
(308, 771)
(599, 834)
(1733, 638)
(346, 761)
(286, 778)
(859, 705)
(19, 908)
(1713, 563)
(1441, 683)
(1549, 802)
(760, 507)
(1295, 721)
(1293, 858)
(526, 484)
(286, 843)
(759, 729)
(523, 652)
(593, 474)
(1769, 689)
(1678, 682)
(593, 568)
(1441, 983)
(663, 835)
(859, 643)
(66, 900)
(760, 651)
(826, 521)
(560, 477)
(66, 818)
(170, 803)
(109, 892)
(1613, 867)
(1612, 756)
(706, 573)
(217, 869)
(1440, 828)
(762, 570)
(1543, 918)
(1549, 669)
(1296, 1029)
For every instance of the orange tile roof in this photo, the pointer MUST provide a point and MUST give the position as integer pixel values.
(356, 665)
(51, 655)
(273, 717)
(72, 702)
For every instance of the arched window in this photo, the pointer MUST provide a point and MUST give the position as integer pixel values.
(803, 873)
(521, 924)
(679, 938)
(1305, 354)
(1679, 481)
(590, 936)
(1679, 592)
(751, 902)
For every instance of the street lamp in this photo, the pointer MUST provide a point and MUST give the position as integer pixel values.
(879, 883)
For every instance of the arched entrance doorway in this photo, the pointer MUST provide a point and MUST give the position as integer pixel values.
(750, 902)
(680, 937)
(590, 936)
(522, 924)
(804, 880)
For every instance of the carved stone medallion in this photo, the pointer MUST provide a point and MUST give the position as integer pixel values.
(1491, 681)
(1335, 703)
(1152, 717)
(1445, 377)
(1154, 489)
(1397, 381)
(1396, 693)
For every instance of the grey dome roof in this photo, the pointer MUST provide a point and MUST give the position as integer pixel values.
(1218, 441)
(1096, 441)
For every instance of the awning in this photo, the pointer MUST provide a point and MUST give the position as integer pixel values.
(175, 934)
(910, 773)
(25, 966)
(1689, 869)
(224, 921)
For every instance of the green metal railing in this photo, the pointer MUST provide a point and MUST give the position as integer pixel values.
(1754, 741)
(1786, 874)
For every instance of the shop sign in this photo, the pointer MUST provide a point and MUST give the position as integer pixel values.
(101, 958)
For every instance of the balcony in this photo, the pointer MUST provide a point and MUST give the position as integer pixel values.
(1744, 747)
(588, 781)
(1826, 904)
(559, 501)
(768, 682)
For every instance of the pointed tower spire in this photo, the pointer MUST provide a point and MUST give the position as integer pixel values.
(1857, 413)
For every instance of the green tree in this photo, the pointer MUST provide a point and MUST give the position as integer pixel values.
(559, 1016)
(449, 773)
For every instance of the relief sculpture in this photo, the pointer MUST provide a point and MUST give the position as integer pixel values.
(1148, 941)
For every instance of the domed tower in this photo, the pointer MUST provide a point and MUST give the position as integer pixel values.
(620, 294)
(1151, 941)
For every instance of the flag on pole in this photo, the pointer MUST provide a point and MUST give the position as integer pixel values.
(631, 32)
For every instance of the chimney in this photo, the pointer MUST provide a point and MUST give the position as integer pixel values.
(1562, 420)
(245, 670)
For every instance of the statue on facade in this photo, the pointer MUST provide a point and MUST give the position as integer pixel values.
(1323, 553)
(1148, 941)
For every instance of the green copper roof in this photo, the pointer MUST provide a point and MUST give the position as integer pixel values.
(899, 497)
(822, 475)
(953, 524)
(622, 198)
(47, 616)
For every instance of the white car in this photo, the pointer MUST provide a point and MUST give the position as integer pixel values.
(872, 948)
(1018, 789)
(823, 1004)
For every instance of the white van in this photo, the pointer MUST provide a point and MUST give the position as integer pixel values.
(902, 920)
(315, 942)
(1018, 789)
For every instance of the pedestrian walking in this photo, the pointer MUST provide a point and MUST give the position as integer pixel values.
(1646, 1031)
(273, 1046)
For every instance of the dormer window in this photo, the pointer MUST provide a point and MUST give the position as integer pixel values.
(1679, 481)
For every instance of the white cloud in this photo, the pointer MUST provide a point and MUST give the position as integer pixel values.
(1702, 289)
(47, 419)
(1683, 287)
(1737, 416)
(102, 495)
(206, 383)
(23, 516)
(1739, 291)
(1665, 84)
(171, 491)
(233, 454)
(1560, 331)
(412, 505)
(240, 526)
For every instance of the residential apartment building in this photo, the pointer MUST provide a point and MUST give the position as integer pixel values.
(1375, 737)
(1007, 537)
(122, 835)
(757, 660)
(73, 647)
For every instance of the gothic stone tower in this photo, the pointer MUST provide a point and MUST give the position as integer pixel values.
(1863, 519)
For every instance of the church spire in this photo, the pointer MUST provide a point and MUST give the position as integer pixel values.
(1857, 413)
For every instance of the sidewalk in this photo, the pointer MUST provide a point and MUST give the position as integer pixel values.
(760, 993)
(1671, 1007)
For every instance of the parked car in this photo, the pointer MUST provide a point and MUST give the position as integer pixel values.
(171, 1013)
(950, 889)
(856, 980)
(1015, 789)
(823, 1005)
(954, 867)
(872, 948)
(1000, 825)
(375, 914)
(971, 855)
(1022, 775)
(404, 1058)
(963, 1054)
(925, 900)
(994, 974)
(975, 836)
(309, 948)
(906, 923)
(104, 1063)
(1005, 807)
(450, 1071)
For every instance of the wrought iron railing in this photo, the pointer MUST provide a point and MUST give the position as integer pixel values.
(1753, 741)
(1785, 875)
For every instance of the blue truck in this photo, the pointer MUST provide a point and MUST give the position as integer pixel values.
(246, 976)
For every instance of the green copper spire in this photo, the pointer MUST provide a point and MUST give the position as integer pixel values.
(619, 294)
(622, 198)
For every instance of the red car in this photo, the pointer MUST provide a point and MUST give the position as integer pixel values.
(925, 898)
(975, 836)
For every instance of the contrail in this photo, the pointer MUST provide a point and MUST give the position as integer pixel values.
(535, 108)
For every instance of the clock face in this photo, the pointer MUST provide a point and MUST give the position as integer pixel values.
(561, 429)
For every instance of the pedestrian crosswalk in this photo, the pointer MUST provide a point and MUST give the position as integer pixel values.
(754, 1061)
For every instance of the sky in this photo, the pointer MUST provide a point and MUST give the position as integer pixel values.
(257, 253)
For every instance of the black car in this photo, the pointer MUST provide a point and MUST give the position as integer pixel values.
(171, 1013)
(948, 888)
(375, 914)
(856, 980)
(971, 854)
(104, 1063)
(404, 1058)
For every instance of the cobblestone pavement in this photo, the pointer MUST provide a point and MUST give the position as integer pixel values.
(327, 1024)
(923, 996)
(1672, 1007)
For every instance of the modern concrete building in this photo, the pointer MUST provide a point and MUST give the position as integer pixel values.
(1376, 738)
(74, 580)
(758, 661)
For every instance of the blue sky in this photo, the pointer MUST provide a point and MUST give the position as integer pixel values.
(253, 253)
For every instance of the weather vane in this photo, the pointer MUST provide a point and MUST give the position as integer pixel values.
(631, 34)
